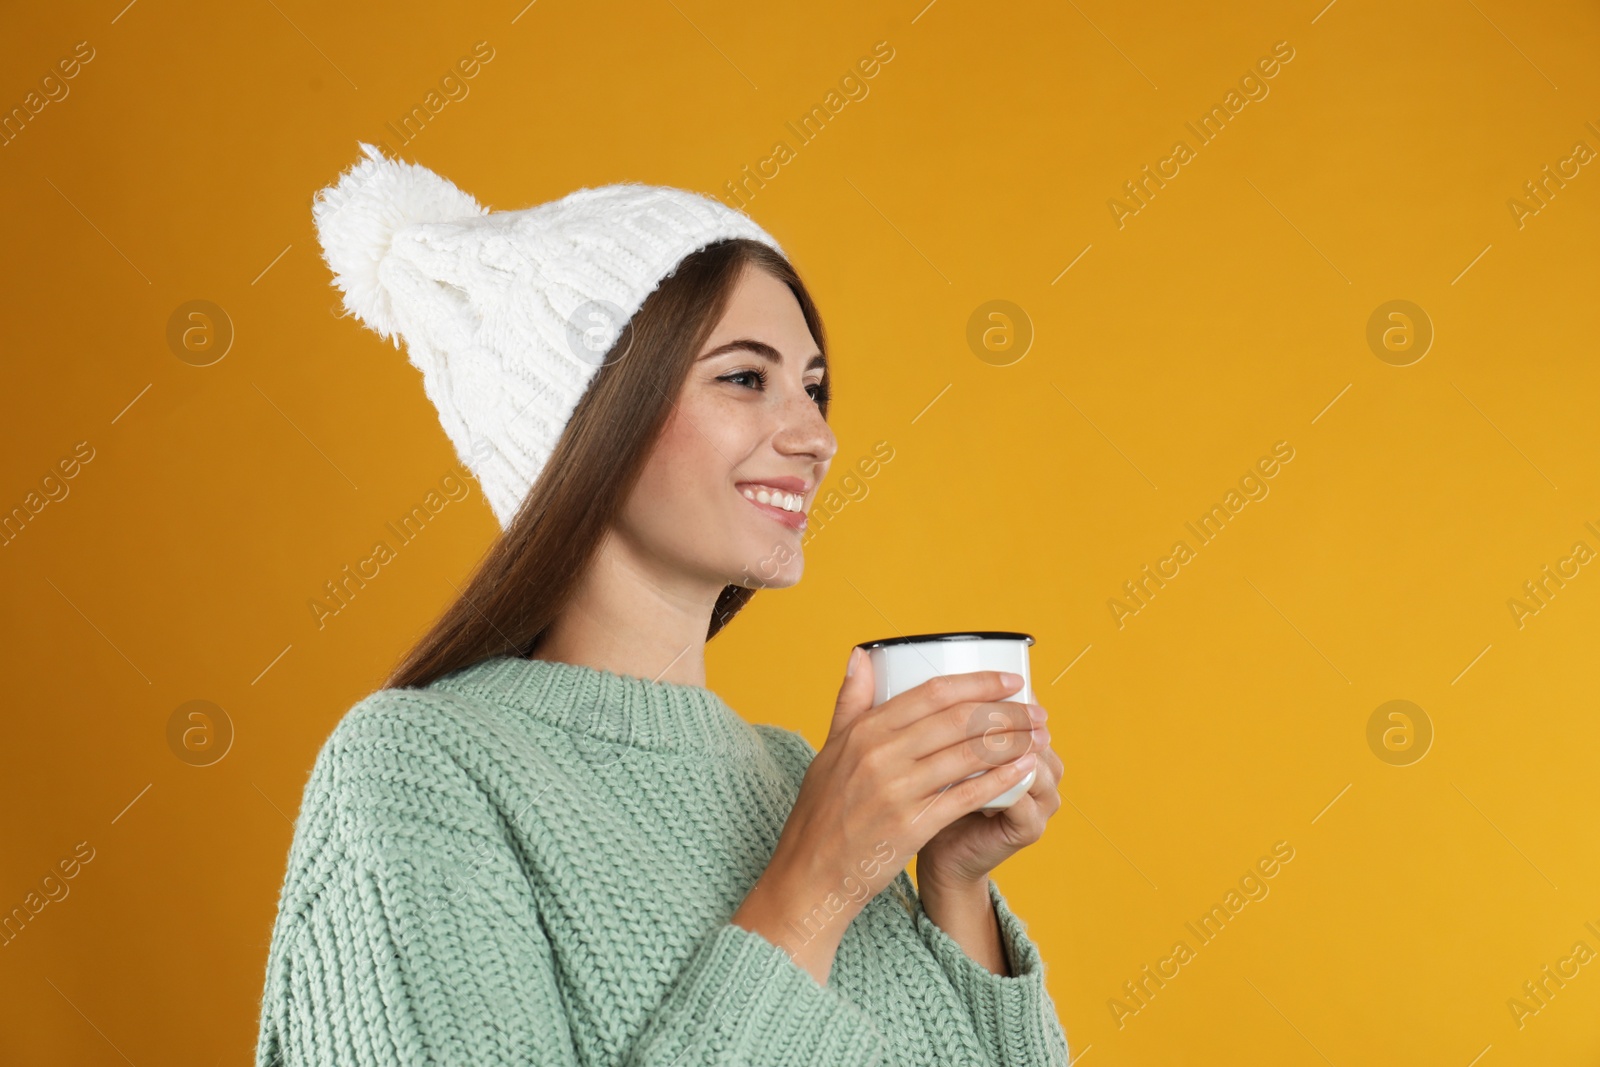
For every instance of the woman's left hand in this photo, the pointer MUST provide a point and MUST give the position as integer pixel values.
(965, 851)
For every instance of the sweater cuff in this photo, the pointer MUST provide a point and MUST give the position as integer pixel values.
(1013, 1015)
(745, 1001)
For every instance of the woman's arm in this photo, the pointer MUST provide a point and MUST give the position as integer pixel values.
(1013, 1013)
(414, 963)
(774, 909)
(967, 915)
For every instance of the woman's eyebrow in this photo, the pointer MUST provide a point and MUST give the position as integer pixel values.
(764, 350)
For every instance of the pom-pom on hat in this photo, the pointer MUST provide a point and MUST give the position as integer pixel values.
(507, 314)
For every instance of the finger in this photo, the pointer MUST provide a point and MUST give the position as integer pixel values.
(855, 692)
(997, 729)
(1046, 788)
(971, 794)
(972, 755)
(1058, 768)
(943, 691)
(1021, 812)
(1026, 814)
(976, 722)
(1029, 813)
(1050, 764)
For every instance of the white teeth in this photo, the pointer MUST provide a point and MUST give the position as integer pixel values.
(786, 501)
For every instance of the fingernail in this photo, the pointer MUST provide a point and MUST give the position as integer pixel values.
(1024, 764)
(1036, 713)
(1011, 681)
(850, 667)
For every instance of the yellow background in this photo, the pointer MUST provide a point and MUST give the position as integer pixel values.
(1227, 315)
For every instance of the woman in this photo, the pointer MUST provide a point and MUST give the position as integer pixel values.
(545, 841)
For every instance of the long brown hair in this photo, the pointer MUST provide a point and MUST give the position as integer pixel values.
(529, 573)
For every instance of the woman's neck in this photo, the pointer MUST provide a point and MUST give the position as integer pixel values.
(659, 662)
(631, 618)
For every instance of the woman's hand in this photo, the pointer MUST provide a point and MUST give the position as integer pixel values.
(898, 773)
(885, 782)
(964, 852)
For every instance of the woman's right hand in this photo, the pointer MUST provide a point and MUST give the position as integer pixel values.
(884, 782)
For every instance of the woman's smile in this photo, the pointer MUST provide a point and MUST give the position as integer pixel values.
(781, 499)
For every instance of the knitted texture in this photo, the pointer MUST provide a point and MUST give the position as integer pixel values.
(531, 862)
(507, 314)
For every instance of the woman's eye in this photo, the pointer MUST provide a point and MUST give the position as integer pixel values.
(817, 391)
(759, 377)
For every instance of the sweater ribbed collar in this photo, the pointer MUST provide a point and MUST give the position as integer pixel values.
(609, 707)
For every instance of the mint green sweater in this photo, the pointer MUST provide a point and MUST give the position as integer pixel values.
(530, 862)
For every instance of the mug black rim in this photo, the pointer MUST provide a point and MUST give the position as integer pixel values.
(964, 635)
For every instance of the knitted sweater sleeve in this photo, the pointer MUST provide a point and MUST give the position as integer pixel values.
(408, 933)
(1013, 1014)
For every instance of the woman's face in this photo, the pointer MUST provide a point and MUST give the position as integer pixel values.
(733, 439)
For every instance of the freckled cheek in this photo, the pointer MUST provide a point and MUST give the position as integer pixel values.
(693, 464)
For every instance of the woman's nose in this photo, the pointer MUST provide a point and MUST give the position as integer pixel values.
(804, 429)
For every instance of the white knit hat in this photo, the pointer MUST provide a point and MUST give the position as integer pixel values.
(508, 314)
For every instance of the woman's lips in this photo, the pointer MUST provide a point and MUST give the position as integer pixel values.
(795, 520)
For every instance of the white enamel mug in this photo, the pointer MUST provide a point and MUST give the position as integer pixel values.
(901, 663)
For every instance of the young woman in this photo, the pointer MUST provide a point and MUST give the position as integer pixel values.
(546, 841)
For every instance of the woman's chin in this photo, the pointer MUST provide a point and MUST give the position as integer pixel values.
(764, 575)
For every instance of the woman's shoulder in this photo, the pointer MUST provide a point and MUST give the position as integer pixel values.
(422, 731)
(436, 726)
(402, 792)
(404, 774)
(405, 765)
